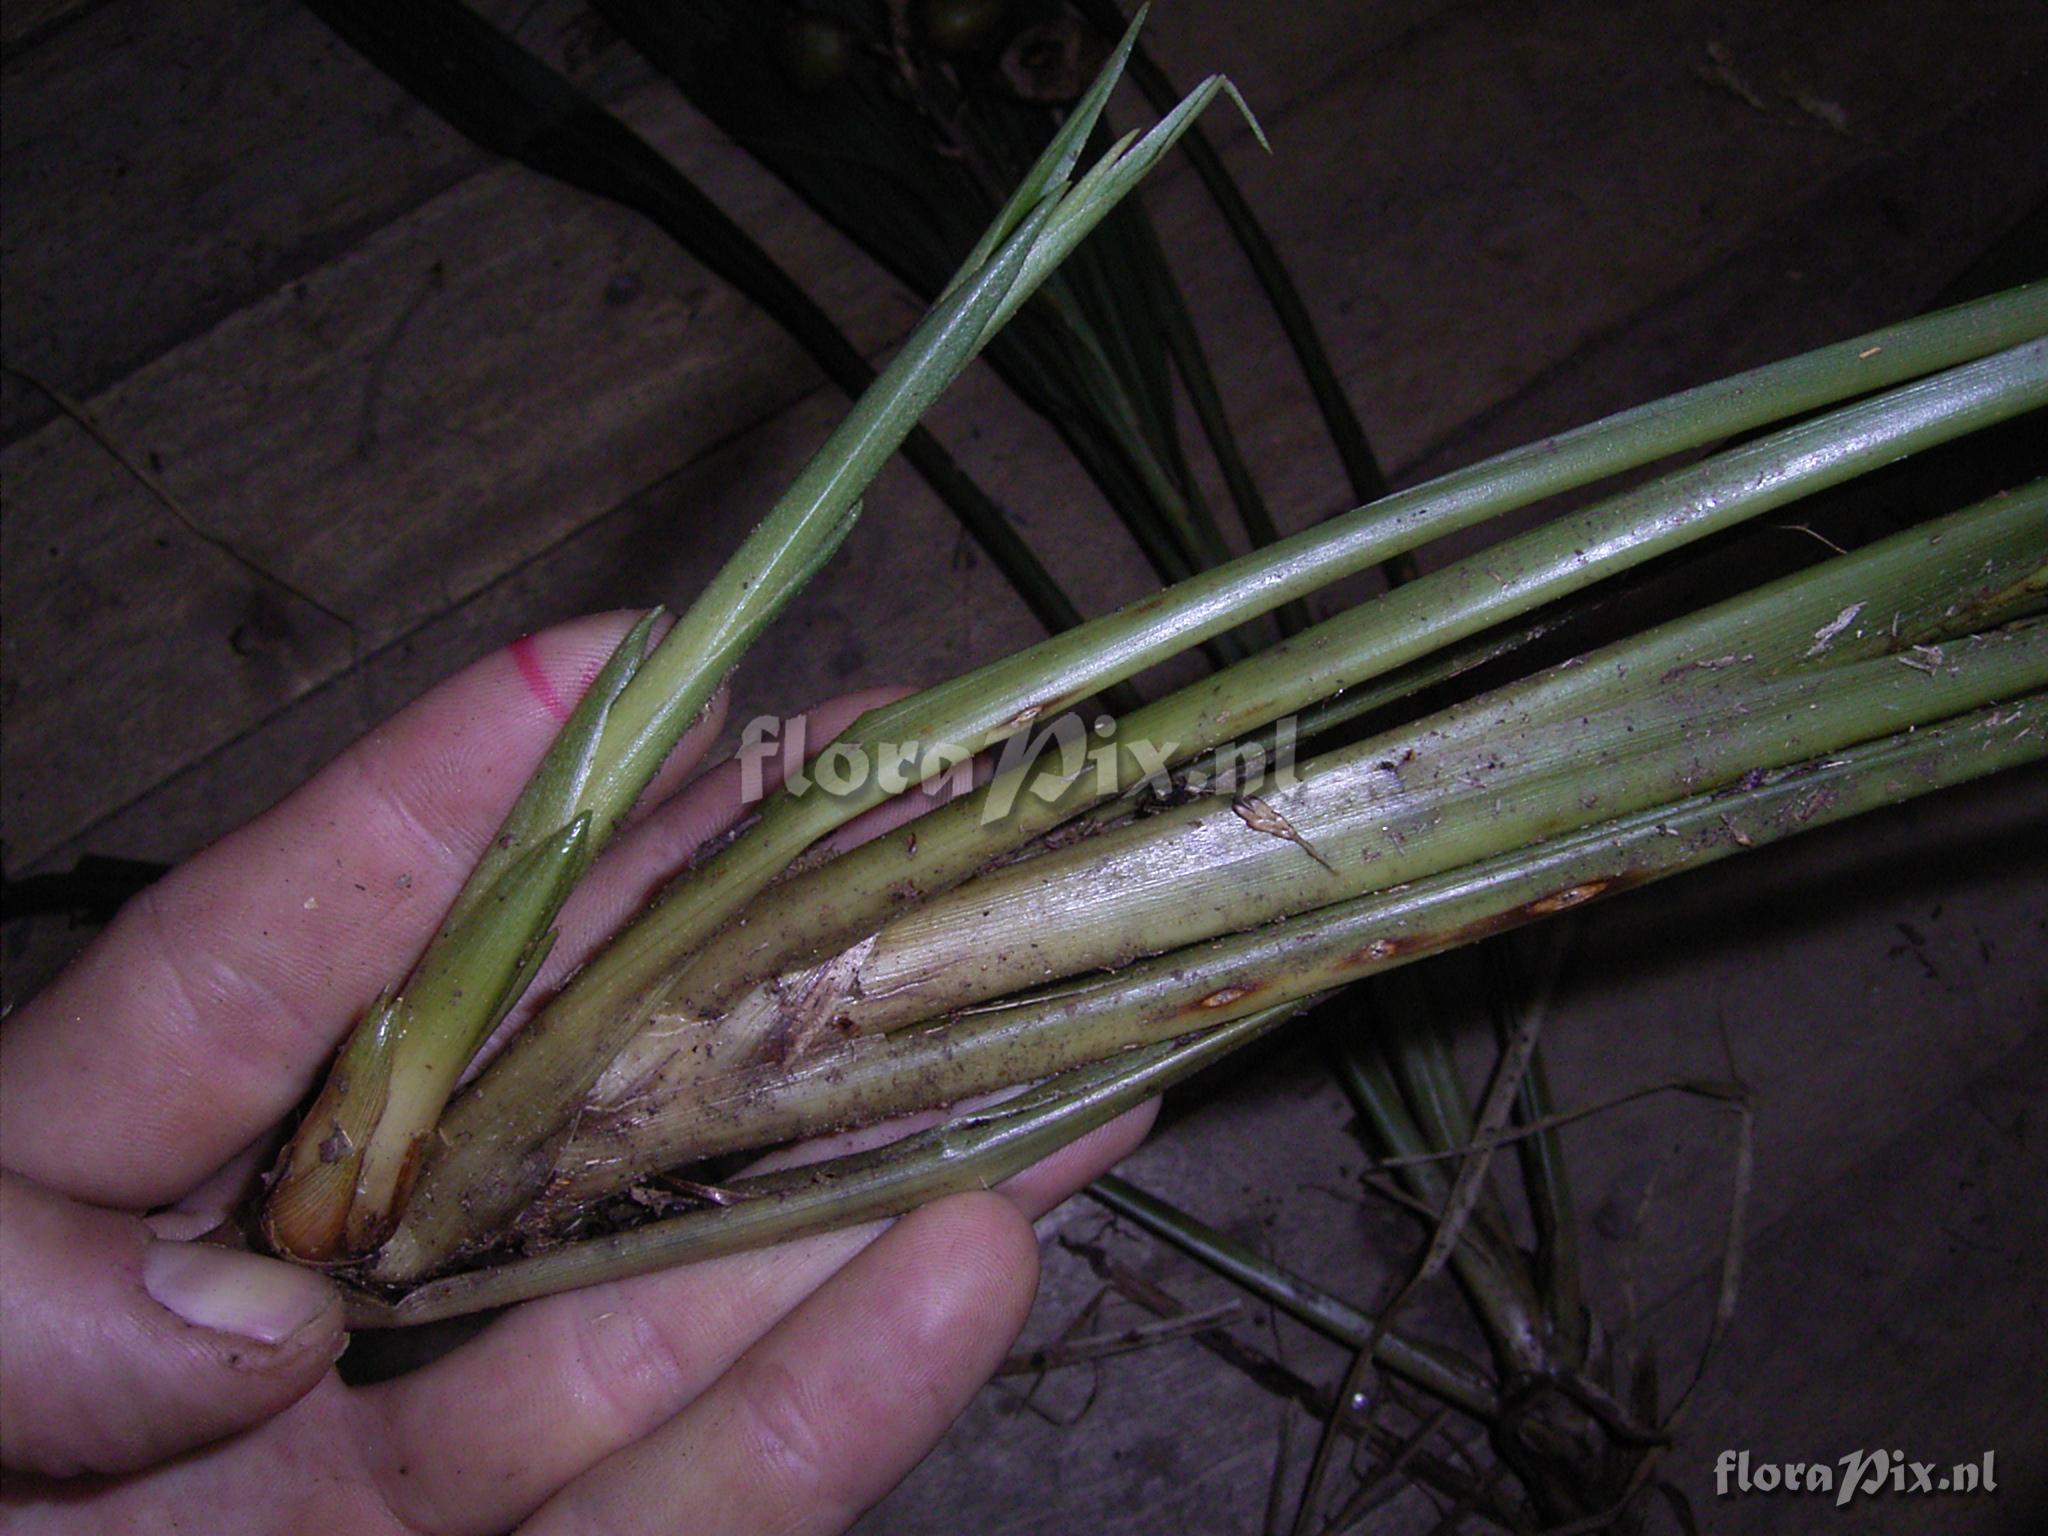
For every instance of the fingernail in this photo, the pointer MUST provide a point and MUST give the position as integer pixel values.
(230, 1291)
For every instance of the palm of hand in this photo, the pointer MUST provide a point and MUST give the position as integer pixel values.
(783, 1390)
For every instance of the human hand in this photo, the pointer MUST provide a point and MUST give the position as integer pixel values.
(153, 1384)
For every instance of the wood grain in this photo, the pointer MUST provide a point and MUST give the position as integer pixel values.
(455, 395)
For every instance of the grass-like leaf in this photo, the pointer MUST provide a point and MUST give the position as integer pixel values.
(342, 1188)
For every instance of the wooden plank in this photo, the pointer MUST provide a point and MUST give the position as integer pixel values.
(1858, 976)
(906, 601)
(159, 181)
(1855, 273)
(1280, 56)
(454, 396)
(459, 392)
(165, 662)
(1173, 1438)
(168, 164)
(1500, 191)
(1744, 303)
(1898, 1308)
(22, 21)
(513, 387)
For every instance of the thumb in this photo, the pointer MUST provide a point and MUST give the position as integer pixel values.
(122, 1349)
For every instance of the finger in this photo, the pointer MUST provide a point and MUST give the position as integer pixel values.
(200, 1016)
(1046, 1183)
(577, 1377)
(122, 1350)
(827, 1413)
(213, 1201)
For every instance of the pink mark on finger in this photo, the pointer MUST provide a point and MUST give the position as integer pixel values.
(538, 683)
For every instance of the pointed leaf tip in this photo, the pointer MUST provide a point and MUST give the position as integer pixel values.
(1244, 108)
(1054, 167)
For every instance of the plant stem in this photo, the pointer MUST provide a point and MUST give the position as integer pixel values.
(1416, 1048)
(974, 1151)
(1438, 1370)
(1977, 566)
(812, 918)
(813, 915)
(349, 1170)
(873, 1077)
(491, 1143)
(513, 104)
(342, 1187)
(1548, 1185)
(1386, 808)
(1335, 947)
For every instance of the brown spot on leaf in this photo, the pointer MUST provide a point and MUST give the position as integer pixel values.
(1570, 896)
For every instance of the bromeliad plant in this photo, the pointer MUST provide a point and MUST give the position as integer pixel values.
(1903, 666)
(1102, 918)
(339, 1194)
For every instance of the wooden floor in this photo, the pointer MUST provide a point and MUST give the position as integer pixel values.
(307, 403)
